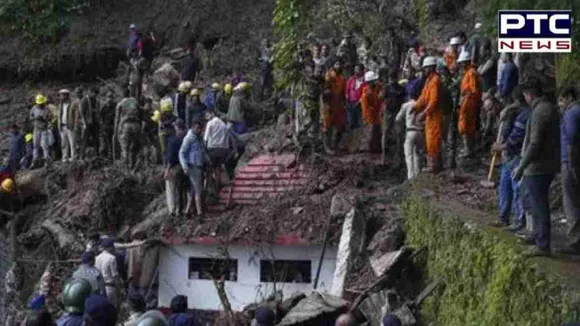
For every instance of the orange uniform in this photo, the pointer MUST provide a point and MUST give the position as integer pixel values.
(334, 112)
(371, 105)
(429, 102)
(450, 57)
(470, 101)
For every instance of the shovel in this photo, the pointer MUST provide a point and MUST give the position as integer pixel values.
(488, 183)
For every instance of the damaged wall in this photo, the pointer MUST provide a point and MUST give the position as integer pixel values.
(173, 273)
(488, 280)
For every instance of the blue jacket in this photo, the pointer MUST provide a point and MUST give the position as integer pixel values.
(515, 140)
(172, 148)
(182, 319)
(70, 320)
(569, 130)
(509, 79)
(192, 151)
(194, 111)
(210, 98)
(17, 150)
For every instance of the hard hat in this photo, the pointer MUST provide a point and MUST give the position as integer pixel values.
(370, 76)
(188, 84)
(133, 26)
(228, 88)
(195, 92)
(464, 56)
(403, 82)
(243, 86)
(429, 61)
(165, 106)
(477, 26)
(184, 87)
(40, 99)
(28, 137)
(64, 91)
(74, 294)
(156, 116)
(215, 86)
(455, 41)
(8, 185)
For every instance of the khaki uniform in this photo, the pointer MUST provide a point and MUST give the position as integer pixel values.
(128, 120)
(41, 118)
(67, 122)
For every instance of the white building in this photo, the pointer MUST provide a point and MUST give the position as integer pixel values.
(249, 271)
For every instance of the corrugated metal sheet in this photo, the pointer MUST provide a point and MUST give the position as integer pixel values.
(266, 176)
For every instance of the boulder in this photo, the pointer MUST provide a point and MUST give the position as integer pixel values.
(340, 206)
(388, 239)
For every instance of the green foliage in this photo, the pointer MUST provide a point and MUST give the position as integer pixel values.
(567, 65)
(488, 281)
(38, 20)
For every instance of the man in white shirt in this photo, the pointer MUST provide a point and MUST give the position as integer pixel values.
(414, 140)
(217, 139)
(67, 118)
(106, 262)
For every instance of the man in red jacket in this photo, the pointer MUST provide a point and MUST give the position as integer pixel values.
(353, 96)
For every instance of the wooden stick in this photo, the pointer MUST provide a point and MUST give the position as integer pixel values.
(494, 158)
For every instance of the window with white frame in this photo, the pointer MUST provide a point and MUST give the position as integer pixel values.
(211, 268)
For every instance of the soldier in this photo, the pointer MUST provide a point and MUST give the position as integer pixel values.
(87, 271)
(90, 121)
(107, 123)
(136, 72)
(128, 126)
(74, 294)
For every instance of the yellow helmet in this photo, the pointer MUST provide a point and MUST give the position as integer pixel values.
(8, 185)
(166, 106)
(40, 99)
(156, 116)
(195, 92)
(184, 87)
(215, 86)
(228, 88)
(244, 86)
(28, 137)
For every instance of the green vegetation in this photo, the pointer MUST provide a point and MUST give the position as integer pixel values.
(38, 20)
(567, 65)
(488, 281)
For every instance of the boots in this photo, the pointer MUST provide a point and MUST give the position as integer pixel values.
(467, 147)
(326, 141)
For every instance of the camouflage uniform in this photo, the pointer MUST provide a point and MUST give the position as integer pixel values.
(107, 122)
(128, 120)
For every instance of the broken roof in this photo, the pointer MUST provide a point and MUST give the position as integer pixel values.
(274, 204)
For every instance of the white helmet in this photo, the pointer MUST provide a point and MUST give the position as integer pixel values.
(371, 76)
(429, 61)
(455, 41)
(464, 56)
(477, 26)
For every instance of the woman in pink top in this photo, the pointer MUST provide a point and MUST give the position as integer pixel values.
(353, 90)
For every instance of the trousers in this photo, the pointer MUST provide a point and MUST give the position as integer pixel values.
(40, 141)
(414, 142)
(353, 116)
(67, 137)
(509, 194)
(571, 202)
(129, 141)
(175, 189)
(538, 190)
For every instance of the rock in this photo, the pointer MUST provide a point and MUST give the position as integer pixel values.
(382, 264)
(388, 239)
(356, 141)
(297, 210)
(291, 302)
(283, 120)
(165, 76)
(340, 206)
(406, 315)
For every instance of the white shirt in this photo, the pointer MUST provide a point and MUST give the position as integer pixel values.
(107, 264)
(216, 134)
(64, 113)
(408, 113)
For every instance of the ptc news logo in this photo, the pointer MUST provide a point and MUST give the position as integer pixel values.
(535, 31)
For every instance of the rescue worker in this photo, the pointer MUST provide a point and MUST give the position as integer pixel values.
(40, 116)
(346, 320)
(179, 313)
(165, 121)
(429, 107)
(539, 163)
(134, 43)
(107, 125)
(570, 159)
(393, 97)
(87, 271)
(137, 68)
(371, 109)
(16, 148)
(67, 120)
(211, 96)
(175, 184)
(354, 87)
(195, 109)
(222, 101)
(26, 161)
(6, 182)
(469, 103)
(451, 54)
(414, 138)
(190, 65)
(238, 108)
(128, 124)
(193, 157)
(266, 77)
(264, 316)
(156, 318)
(313, 84)
(54, 140)
(180, 99)
(333, 112)
(74, 294)
(217, 139)
(99, 312)
(106, 263)
(137, 308)
(89, 116)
